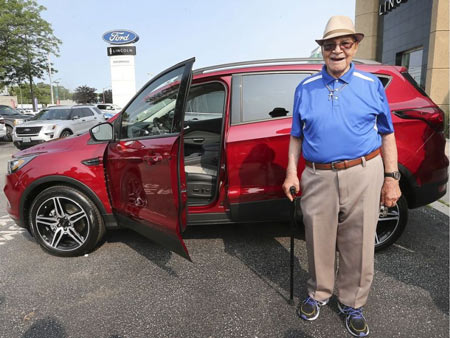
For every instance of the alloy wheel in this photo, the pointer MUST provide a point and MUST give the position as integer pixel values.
(62, 223)
(388, 223)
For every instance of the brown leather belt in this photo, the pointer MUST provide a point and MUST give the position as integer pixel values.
(339, 165)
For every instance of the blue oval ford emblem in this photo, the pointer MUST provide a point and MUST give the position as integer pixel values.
(120, 37)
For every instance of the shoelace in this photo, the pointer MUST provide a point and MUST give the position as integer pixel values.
(352, 312)
(311, 301)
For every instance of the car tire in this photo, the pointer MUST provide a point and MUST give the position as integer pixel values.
(8, 136)
(65, 222)
(19, 146)
(65, 133)
(391, 225)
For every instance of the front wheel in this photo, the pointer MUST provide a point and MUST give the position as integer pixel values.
(65, 222)
(9, 131)
(391, 224)
(65, 133)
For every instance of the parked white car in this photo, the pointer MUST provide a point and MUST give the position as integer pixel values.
(108, 109)
(56, 122)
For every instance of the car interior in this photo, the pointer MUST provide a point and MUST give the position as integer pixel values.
(203, 127)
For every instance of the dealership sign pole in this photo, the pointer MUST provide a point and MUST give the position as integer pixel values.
(121, 52)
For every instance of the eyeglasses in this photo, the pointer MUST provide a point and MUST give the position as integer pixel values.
(344, 45)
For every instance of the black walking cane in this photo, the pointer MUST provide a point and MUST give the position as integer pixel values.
(293, 223)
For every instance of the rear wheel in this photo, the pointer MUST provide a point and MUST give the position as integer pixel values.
(65, 222)
(391, 225)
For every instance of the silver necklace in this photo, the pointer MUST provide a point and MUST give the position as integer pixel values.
(331, 95)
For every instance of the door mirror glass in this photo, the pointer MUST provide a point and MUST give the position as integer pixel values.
(102, 132)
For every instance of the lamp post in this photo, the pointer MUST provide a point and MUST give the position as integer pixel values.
(21, 99)
(50, 78)
(57, 81)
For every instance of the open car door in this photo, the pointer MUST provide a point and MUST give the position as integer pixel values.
(145, 163)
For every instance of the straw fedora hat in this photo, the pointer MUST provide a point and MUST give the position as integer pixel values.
(339, 25)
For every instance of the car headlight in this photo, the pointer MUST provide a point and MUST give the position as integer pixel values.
(18, 121)
(18, 163)
(51, 127)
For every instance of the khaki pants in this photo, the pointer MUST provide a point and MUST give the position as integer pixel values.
(340, 212)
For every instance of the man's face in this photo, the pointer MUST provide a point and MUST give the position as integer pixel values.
(338, 54)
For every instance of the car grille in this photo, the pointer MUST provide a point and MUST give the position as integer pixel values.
(28, 130)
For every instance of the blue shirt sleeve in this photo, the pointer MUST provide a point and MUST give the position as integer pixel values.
(297, 125)
(384, 119)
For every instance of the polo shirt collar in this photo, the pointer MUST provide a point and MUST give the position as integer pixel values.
(327, 78)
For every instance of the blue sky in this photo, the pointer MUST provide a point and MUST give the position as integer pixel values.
(170, 31)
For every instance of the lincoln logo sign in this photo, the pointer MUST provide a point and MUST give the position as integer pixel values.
(120, 37)
(389, 5)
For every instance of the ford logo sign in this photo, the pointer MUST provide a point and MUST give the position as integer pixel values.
(120, 37)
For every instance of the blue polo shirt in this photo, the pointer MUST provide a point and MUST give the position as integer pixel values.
(348, 124)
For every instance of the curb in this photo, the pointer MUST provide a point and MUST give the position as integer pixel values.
(441, 207)
(438, 205)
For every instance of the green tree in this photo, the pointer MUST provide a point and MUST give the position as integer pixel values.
(26, 40)
(41, 91)
(85, 94)
(62, 93)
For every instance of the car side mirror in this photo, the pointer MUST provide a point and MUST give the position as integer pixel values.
(102, 132)
(76, 117)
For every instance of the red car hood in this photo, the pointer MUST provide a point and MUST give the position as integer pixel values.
(58, 145)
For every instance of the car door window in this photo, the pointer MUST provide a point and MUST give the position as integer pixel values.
(83, 112)
(98, 111)
(152, 112)
(257, 97)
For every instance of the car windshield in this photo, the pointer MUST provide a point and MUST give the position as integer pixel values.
(5, 110)
(53, 114)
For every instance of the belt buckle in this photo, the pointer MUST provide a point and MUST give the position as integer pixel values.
(333, 165)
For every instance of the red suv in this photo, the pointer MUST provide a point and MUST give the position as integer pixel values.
(204, 147)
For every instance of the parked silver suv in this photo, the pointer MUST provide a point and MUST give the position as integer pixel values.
(56, 122)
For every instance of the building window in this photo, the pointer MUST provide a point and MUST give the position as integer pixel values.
(413, 61)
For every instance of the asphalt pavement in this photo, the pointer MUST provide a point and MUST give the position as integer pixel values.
(236, 286)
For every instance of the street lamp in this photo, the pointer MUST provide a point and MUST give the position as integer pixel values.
(50, 78)
(57, 81)
(21, 98)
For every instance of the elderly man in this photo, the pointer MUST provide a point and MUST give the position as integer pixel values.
(341, 122)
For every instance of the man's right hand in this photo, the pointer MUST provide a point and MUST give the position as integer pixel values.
(291, 181)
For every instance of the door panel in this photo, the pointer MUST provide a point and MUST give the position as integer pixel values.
(145, 165)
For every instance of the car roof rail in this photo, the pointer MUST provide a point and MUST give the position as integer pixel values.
(272, 62)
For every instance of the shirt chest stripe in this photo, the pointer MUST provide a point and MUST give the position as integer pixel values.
(313, 79)
(363, 76)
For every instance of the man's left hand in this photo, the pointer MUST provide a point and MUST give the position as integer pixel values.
(390, 192)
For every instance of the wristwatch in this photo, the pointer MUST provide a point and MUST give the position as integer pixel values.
(395, 175)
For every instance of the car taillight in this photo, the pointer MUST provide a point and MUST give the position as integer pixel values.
(2, 121)
(433, 116)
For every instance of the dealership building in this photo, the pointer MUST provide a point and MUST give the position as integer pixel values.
(410, 33)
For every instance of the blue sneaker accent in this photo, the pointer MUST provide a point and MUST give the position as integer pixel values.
(354, 320)
(310, 308)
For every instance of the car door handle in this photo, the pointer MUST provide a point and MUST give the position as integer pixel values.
(152, 159)
(198, 140)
